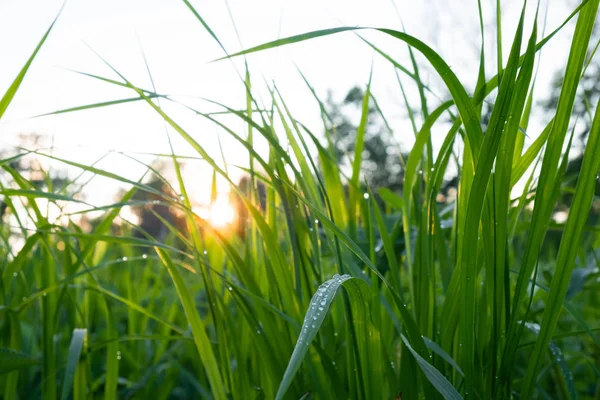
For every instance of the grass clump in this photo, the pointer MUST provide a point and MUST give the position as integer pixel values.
(329, 289)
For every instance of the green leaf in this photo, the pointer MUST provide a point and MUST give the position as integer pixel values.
(12, 90)
(434, 376)
(12, 360)
(559, 358)
(75, 347)
(203, 345)
(569, 246)
(315, 315)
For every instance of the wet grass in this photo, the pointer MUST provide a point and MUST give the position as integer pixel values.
(333, 290)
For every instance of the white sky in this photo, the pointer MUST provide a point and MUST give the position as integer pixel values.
(179, 52)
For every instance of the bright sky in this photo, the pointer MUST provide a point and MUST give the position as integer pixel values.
(179, 51)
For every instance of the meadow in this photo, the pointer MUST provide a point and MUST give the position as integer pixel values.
(332, 289)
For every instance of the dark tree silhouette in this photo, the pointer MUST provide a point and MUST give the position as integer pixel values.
(381, 166)
(156, 217)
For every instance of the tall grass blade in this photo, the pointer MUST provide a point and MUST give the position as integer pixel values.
(79, 336)
(569, 247)
(12, 360)
(12, 90)
(201, 339)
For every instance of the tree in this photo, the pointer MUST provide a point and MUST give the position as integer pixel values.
(381, 166)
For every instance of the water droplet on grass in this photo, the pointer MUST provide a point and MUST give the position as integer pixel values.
(366, 196)
(124, 258)
(144, 256)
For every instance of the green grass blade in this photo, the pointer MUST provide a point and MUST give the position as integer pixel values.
(12, 90)
(569, 247)
(201, 339)
(315, 315)
(75, 347)
(12, 360)
(434, 376)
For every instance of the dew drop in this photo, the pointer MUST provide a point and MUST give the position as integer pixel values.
(316, 221)
(313, 325)
(14, 274)
(230, 288)
(321, 308)
(144, 256)
(323, 302)
(205, 252)
(366, 196)
(124, 258)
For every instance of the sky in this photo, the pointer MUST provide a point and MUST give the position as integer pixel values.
(180, 54)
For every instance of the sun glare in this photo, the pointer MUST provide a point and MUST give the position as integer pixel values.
(219, 214)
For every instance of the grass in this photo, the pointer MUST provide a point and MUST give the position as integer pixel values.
(333, 290)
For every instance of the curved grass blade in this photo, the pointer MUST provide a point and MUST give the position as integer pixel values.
(434, 376)
(97, 105)
(11, 360)
(559, 358)
(461, 98)
(201, 339)
(569, 247)
(40, 194)
(434, 347)
(72, 361)
(12, 90)
(315, 315)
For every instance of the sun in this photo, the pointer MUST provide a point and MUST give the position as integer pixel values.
(220, 214)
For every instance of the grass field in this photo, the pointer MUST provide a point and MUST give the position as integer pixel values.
(333, 290)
